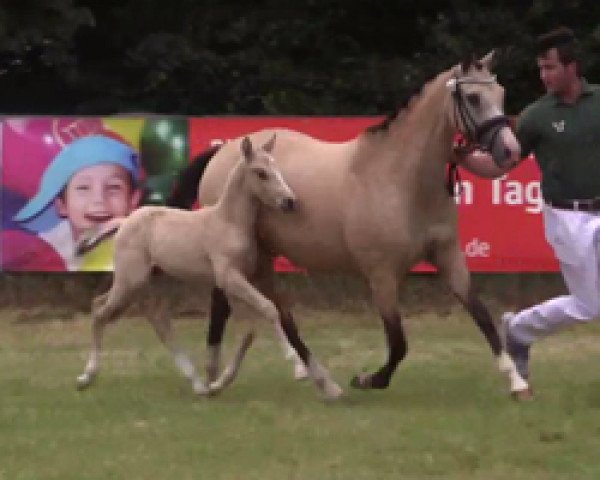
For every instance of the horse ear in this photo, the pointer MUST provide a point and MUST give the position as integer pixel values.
(246, 148)
(268, 147)
(489, 60)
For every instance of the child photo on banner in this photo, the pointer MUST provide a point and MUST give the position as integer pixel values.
(64, 177)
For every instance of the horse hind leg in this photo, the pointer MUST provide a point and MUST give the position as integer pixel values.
(105, 308)
(161, 322)
(453, 268)
(384, 287)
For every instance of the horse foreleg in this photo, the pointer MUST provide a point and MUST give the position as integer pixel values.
(160, 321)
(384, 289)
(239, 287)
(453, 268)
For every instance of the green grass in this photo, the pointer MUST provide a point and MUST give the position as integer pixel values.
(446, 415)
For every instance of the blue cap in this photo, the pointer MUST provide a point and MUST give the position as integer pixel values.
(83, 152)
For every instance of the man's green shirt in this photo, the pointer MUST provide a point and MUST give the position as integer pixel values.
(566, 142)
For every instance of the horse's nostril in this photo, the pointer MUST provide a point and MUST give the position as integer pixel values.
(507, 153)
(289, 204)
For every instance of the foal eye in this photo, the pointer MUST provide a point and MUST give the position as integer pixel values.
(473, 99)
(262, 174)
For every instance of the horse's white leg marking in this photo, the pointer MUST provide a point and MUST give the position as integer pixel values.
(507, 366)
(300, 370)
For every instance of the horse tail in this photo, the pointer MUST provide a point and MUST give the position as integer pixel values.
(94, 236)
(185, 192)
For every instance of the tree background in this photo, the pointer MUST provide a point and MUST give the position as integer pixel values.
(331, 57)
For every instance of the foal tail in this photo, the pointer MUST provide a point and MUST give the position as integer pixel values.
(94, 236)
(185, 192)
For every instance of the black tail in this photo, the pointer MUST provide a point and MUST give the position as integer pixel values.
(186, 189)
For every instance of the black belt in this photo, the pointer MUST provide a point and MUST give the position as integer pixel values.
(591, 205)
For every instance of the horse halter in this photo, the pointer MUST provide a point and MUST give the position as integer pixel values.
(472, 132)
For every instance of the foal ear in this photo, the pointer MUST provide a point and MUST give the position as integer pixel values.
(268, 147)
(246, 148)
(489, 60)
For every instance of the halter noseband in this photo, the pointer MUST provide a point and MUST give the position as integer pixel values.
(472, 132)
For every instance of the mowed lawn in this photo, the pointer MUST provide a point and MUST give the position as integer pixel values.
(446, 415)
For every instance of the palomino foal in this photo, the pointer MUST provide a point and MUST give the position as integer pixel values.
(215, 244)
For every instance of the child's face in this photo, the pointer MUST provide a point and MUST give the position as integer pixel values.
(95, 195)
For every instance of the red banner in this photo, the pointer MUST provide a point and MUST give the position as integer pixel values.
(500, 222)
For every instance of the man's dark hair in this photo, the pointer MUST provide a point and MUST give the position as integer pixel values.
(565, 42)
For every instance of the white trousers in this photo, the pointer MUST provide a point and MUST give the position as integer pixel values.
(575, 238)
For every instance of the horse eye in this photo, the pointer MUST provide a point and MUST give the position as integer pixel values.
(473, 99)
(262, 174)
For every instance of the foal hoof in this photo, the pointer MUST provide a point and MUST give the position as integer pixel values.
(525, 395)
(200, 388)
(333, 392)
(84, 381)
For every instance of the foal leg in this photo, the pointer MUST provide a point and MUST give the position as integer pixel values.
(131, 272)
(236, 285)
(105, 308)
(219, 314)
(384, 288)
(453, 268)
(160, 321)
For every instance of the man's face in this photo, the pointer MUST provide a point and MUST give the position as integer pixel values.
(556, 76)
(95, 195)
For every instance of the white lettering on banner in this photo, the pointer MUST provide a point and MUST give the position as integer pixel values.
(513, 192)
(477, 248)
(463, 192)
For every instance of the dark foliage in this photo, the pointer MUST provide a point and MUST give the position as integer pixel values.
(196, 57)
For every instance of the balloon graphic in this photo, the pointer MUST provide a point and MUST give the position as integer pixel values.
(164, 149)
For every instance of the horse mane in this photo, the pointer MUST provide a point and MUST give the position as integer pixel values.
(409, 100)
(404, 105)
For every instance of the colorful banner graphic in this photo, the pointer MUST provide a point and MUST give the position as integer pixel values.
(64, 176)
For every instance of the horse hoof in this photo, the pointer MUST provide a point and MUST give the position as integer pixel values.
(525, 395)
